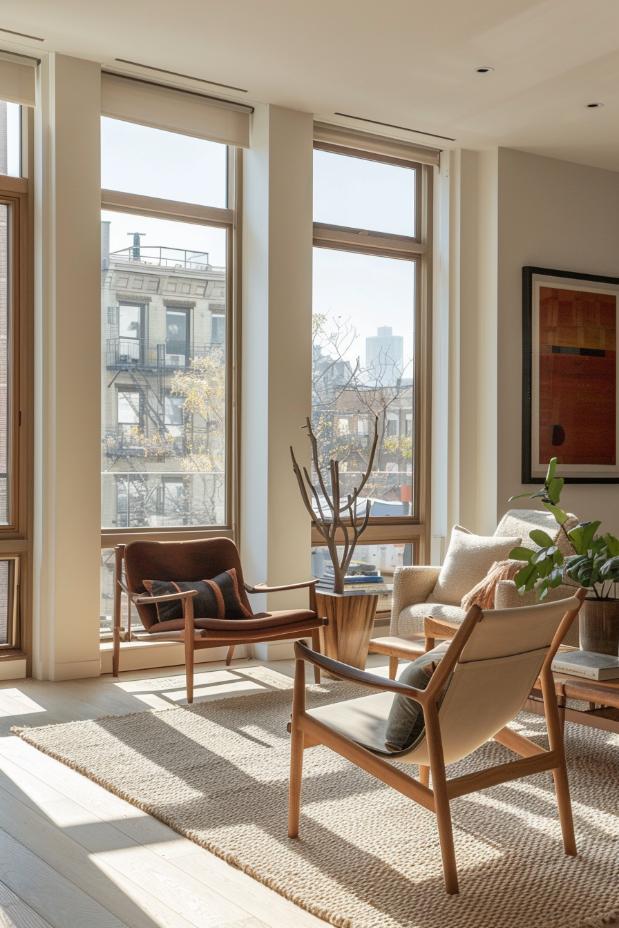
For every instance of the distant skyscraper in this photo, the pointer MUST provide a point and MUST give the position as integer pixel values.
(384, 354)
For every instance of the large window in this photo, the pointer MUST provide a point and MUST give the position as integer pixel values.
(14, 355)
(167, 227)
(372, 265)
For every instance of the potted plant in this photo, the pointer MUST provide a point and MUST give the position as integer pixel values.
(593, 564)
(341, 518)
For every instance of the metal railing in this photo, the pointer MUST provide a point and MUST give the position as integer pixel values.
(135, 353)
(163, 256)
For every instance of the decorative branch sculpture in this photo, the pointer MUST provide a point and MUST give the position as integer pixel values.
(335, 519)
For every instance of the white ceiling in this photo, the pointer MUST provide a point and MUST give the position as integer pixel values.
(404, 62)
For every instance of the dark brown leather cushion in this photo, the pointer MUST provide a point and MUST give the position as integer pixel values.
(216, 599)
(179, 560)
(260, 621)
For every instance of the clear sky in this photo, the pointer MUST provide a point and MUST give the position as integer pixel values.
(370, 291)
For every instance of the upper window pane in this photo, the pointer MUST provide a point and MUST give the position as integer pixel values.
(5, 379)
(363, 368)
(363, 194)
(163, 459)
(10, 139)
(155, 163)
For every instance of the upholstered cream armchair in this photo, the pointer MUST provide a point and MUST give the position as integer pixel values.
(418, 592)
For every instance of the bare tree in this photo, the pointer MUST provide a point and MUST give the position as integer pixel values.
(332, 513)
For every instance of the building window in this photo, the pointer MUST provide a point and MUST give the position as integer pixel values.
(372, 264)
(172, 467)
(177, 337)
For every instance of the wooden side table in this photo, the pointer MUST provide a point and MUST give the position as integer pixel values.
(351, 619)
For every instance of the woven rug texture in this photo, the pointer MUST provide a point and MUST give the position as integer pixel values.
(367, 857)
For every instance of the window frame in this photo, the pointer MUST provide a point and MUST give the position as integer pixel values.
(228, 219)
(16, 535)
(413, 529)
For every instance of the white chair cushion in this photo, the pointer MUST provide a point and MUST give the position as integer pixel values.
(411, 618)
(468, 560)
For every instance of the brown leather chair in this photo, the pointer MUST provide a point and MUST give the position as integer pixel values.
(199, 560)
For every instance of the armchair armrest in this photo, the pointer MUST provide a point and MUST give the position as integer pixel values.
(263, 588)
(355, 675)
(411, 585)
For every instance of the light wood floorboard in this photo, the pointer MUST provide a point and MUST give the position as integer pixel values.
(73, 855)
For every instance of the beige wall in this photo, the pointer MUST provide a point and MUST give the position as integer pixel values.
(558, 215)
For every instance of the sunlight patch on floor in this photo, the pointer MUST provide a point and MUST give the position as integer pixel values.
(14, 702)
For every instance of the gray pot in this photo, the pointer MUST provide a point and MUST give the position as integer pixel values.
(599, 626)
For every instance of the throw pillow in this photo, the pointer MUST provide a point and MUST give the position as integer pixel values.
(483, 593)
(218, 598)
(468, 560)
(405, 723)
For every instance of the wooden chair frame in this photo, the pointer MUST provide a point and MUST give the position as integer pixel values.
(307, 732)
(199, 639)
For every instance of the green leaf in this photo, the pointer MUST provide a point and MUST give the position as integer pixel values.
(554, 489)
(558, 513)
(612, 544)
(541, 538)
(521, 554)
(610, 568)
(544, 554)
(552, 469)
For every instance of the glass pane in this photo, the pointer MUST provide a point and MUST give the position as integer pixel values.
(384, 557)
(138, 159)
(10, 139)
(361, 370)
(6, 596)
(5, 311)
(363, 194)
(163, 373)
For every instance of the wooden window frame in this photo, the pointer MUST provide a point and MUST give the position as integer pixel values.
(418, 249)
(16, 534)
(229, 219)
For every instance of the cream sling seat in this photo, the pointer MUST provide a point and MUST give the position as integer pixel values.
(479, 686)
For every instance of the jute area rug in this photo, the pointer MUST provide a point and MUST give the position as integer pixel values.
(367, 857)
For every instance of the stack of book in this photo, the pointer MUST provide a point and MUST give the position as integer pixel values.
(361, 578)
(588, 664)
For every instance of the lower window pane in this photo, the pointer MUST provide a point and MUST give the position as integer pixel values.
(385, 557)
(8, 568)
(163, 287)
(5, 290)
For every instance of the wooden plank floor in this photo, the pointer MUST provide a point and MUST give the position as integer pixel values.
(72, 855)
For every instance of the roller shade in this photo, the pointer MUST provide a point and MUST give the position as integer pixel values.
(17, 81)
(375, 144)
(134, 100)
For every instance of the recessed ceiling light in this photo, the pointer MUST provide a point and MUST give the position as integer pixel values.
(484, 69)
(594, 106)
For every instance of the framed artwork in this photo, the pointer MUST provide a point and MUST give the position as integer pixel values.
(570, 390)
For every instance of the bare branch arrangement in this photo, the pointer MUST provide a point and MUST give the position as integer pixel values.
(334, 515)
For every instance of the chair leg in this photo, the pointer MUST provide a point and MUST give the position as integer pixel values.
(424, 775)
(230, 655)
(393, 667)
(316, 647)
(441, 800)
(116, 652)
(189, 655)
(296, 752)
(555, 720)
(564, 805)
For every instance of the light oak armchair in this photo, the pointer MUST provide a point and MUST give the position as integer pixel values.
(478, 687)
(190, 561)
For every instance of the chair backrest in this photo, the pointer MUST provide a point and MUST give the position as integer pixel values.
(519, 522)
(495, 671)
(179, 560)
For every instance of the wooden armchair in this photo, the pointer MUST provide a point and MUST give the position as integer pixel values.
(192, 561)
(479, 686)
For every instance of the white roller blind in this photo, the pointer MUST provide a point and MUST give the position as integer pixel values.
(375, 144)
(160, 107)
(17, 81)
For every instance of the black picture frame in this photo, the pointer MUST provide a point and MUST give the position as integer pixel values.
(530, 274)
